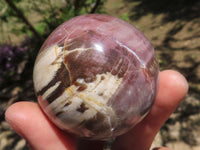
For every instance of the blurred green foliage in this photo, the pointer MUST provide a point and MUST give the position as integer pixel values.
(125, 17)
(51, 13)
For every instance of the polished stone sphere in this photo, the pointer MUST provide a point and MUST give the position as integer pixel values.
(95, 76)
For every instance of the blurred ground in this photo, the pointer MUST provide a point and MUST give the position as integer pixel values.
(173, 29)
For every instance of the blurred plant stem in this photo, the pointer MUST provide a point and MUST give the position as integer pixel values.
(23, 18)
(93, 10)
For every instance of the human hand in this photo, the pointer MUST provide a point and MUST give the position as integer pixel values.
(28, 120)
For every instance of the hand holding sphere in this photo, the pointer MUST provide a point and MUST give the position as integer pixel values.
(31, 123)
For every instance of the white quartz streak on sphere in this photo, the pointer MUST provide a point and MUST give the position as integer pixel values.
(95, 76)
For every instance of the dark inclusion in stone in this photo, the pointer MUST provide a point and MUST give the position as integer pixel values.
(82, 108)
(95, 76)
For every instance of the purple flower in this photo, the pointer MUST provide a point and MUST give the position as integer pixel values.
(10, 57)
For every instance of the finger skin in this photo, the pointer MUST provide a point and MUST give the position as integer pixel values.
(29, 121)
(171, 90)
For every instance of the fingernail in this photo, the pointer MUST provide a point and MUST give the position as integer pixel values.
(8, 118)
(161, 148)
(156, 148)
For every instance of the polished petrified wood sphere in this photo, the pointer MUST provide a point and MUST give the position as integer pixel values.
(95, 76)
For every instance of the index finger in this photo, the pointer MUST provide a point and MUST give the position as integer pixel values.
(171, 90)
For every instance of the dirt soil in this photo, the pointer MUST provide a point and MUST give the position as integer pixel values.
(173, 29)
